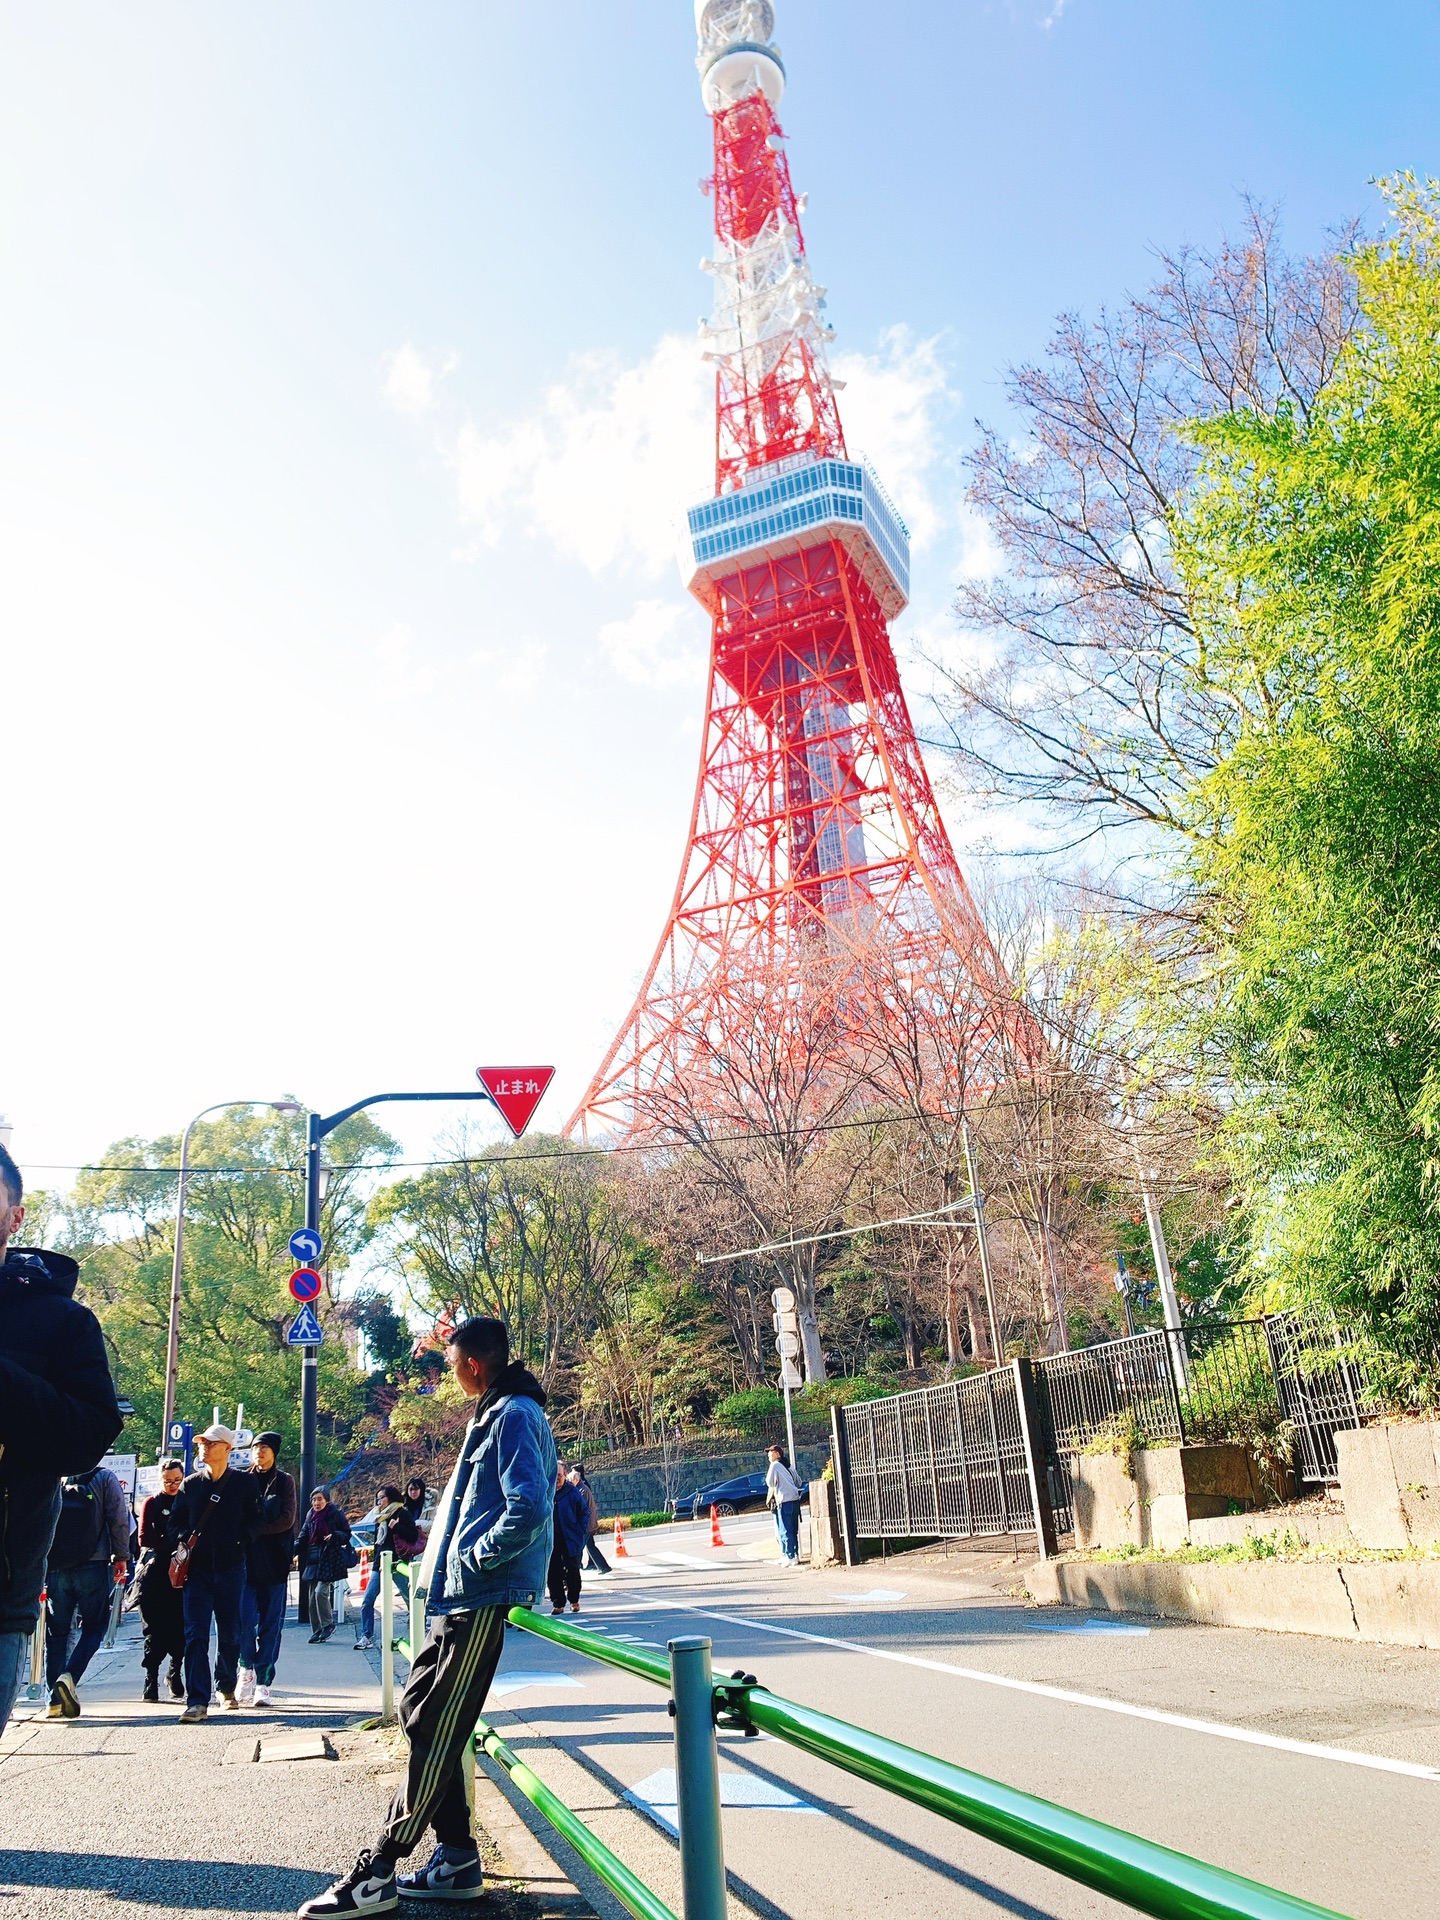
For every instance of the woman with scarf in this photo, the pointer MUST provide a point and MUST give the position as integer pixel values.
(395, 1533)
(324, 1550)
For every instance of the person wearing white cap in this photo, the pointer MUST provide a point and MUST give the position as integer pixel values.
(217, 1514)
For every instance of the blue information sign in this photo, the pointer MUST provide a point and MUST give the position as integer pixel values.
(306, 1246)
(181, 1439)
(305, 1329)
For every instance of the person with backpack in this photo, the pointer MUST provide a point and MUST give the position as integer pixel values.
(217, 1515)
(162, 1605)
(58, 1415)
(88, 1557)
(396, 1533)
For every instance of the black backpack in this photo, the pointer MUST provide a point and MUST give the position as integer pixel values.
(81, 1526)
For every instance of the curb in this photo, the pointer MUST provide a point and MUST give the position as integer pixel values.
(1388, 1604)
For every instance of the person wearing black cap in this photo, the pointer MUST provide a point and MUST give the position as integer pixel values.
(267, 1572)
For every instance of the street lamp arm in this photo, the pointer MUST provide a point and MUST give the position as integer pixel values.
(317, 1125)
(329, 1122)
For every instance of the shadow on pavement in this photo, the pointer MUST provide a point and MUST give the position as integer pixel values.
(223, 1886)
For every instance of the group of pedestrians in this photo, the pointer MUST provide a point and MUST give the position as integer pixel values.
(489, 1548)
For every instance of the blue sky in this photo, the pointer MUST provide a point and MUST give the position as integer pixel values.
(348, 393)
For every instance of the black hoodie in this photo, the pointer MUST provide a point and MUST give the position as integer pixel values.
(58, 1415)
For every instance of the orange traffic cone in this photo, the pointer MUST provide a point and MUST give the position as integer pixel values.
(715, 1539)
(364, 1568)
(622, 1552)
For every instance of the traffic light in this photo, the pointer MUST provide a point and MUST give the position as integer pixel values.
(787, 1336)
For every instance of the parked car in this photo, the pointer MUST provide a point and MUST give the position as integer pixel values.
(726, 1496)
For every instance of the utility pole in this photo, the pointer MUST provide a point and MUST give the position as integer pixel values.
(982, 1237)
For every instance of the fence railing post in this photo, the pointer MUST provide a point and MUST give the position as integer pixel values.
(844, 1502)
(387, 1638)
(1032, 1429)
(697, 1780)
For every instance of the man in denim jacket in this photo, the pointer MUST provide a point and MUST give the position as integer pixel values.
(488, 1551)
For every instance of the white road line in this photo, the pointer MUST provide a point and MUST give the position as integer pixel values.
(1247, 1736)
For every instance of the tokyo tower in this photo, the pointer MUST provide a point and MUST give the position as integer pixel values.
(814, 833)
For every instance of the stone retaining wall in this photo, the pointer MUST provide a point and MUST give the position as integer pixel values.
(1387, 1603)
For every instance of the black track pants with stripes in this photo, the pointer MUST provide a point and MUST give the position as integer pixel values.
(438, 1711)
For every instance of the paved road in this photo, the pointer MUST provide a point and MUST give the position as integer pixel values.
(1309, 1764)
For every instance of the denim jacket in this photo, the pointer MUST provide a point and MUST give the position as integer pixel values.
(490, 1543)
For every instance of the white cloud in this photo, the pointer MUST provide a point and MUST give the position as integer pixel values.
(523, 673)
(602, 469)
(663, 644)
(412, 382)
(603, 466)
(891, 407)
(399, 673)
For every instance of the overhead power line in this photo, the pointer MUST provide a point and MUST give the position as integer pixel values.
(839, 1233)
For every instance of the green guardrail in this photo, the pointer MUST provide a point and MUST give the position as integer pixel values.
(1140, 1873)
(627, 1888)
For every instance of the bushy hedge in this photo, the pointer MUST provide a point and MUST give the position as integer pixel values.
(759, 1412)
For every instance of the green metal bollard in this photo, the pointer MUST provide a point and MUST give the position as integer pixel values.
(697, 1778)
(387, 1636)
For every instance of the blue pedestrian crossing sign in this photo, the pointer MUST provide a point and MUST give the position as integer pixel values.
(305, 1329)
(306, 1246)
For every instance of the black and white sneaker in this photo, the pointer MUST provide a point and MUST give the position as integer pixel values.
(449, 1876)
(369, 1887)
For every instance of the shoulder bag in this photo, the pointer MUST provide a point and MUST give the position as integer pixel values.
(180, 1559)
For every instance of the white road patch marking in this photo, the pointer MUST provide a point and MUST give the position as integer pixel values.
(656, 1795)
(688, 1560)
(1086, 1626)
(874, 1598)
(1247, 1736)
(505, 1683)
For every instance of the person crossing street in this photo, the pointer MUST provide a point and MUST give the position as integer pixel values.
(488, 1550)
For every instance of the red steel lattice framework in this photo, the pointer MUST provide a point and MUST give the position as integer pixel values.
(814, 832)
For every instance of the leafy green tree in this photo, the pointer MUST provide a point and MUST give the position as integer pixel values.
(1312, 550)
(234, 1307)
(534, 1237)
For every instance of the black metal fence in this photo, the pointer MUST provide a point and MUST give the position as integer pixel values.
(991, 1455)
(944, 1462)
(1323, 1389)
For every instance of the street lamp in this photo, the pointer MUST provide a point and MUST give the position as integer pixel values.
(172, 1352)
(317, 1126)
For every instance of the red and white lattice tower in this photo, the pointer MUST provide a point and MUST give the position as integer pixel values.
(814, 829)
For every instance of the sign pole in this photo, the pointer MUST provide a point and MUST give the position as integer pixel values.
(514, 1092)
(789, 1423)
(310, 1359)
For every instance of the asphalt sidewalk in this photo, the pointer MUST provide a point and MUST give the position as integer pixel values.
(124, 1814)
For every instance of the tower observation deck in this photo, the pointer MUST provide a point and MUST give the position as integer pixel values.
(814, 833)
